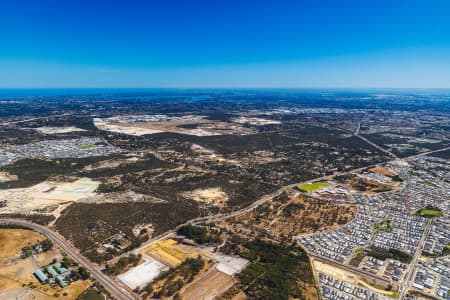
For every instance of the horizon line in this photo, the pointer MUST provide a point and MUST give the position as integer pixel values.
(226, 88)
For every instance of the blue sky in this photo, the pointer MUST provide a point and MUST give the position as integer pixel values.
(168, 43)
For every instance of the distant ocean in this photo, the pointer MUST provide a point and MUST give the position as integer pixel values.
(194, 94)
(200, 94)
(71, 91)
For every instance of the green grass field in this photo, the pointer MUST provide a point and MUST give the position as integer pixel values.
(86, 147)
(311, 187)
(428, 213)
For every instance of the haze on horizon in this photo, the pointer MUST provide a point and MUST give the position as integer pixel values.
(207, 44)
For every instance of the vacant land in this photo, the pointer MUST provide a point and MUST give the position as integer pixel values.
(12, 241)
(383, 171)
(214, 196)
(292, 217)
(173, 281)
(58, 130)
(195, 126)
(212, 284)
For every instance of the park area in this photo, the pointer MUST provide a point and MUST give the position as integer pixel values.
(430, 212)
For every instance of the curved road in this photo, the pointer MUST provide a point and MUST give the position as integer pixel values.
(105, 281)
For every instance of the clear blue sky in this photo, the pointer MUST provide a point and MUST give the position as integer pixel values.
(225, 43)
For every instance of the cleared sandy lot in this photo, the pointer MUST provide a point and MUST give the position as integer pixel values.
(335, 272)
(58, 130)
(4, 177)
(212, 284)
(24, 294)
(197, 126)
(12, 241)
(44, 194)
(255, 121)
(215, 196)
(383, 171)
(229, 265)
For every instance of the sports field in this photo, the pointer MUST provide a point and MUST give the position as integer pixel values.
(311, 187)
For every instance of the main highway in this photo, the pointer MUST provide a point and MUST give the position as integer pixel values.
(109, 285)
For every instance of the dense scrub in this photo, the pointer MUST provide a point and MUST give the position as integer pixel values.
(89, 224)
(275, 272)
(200, 235)
(382, 254)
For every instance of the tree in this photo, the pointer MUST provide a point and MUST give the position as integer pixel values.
(46, 245)
(84, 274)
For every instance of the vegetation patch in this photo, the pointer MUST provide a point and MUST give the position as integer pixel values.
(384, 225)
(200, 235)
(357, 257)
(123, 264)
(91, 225)
(383, 254)
(276, 271)
(94, 292)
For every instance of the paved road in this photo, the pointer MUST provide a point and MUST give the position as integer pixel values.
(105, 281)
(410, 271)
(429, 152)
(376, 146)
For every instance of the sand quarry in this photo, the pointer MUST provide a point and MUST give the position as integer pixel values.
(45, 194)
(194, 126)
(58, 130)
